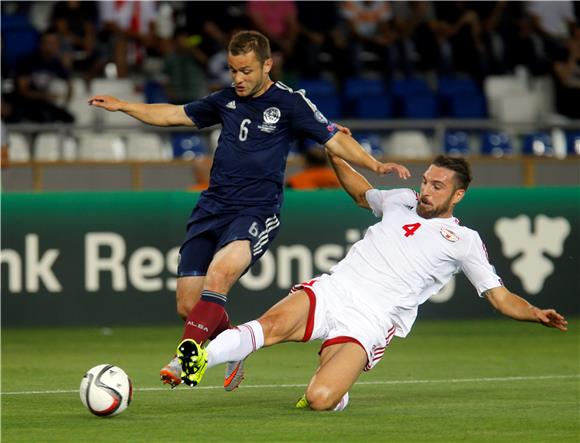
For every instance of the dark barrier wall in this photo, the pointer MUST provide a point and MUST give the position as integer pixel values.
(110, 258)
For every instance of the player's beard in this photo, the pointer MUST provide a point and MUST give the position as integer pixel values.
(434, 211)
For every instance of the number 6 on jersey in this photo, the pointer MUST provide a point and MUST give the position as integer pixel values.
(244, 129)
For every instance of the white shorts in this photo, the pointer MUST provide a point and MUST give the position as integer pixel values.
(335, 318)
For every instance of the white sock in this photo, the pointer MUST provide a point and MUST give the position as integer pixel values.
(235, 344)
(342, 403)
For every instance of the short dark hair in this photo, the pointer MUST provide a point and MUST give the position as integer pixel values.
(247, 41)
(458, 165)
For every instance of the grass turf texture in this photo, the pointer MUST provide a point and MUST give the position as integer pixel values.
(474, 381)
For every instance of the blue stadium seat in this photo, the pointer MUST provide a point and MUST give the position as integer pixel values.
(538, 143)
(468, 106)
(323, 94)
(317, 87)
(409, 86)
(417, 106)
(496, 144)
(573, 143)
(372, 107)
(19, 38)
(453, 86)
(456, 143)
(187, 145)
(154, 92)
(364, 87)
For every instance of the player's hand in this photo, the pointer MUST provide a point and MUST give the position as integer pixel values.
(388, 168)
(343, 129)
(551, 319)
(107, 102)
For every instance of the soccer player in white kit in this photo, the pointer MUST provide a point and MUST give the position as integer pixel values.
(373, 294)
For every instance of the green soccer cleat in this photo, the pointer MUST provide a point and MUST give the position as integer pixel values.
(302, 403)
(193, 360)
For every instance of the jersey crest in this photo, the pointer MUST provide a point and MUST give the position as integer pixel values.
(448, 234)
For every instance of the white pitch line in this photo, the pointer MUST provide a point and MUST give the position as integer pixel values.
(362, 383)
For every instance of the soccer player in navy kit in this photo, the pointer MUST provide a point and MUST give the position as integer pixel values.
(237, 217)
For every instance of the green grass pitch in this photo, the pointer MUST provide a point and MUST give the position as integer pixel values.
(474, 381)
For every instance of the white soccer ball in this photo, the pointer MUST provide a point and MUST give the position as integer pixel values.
(106, 390)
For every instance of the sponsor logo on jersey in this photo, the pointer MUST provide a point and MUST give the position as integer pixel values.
(231, 105)
(448, 234)
(271, 117)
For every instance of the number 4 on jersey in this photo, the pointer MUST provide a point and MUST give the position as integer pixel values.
(411, 228)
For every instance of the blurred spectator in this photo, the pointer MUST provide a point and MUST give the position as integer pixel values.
(553, 21)
(129, 30)
(201, 167)
(371, 29)
(214, 22)
(75, 23)
(277, 20)
(35, 97)
(4, 158)
(566, 70)
(320, 30)
(185, 79)
(459, 24)
(317, 173)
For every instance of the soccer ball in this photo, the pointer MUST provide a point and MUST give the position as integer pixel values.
(106, 390)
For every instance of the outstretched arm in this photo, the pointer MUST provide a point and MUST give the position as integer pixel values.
(347, 148)
(354, 183)
(512, 305)
(153, 114)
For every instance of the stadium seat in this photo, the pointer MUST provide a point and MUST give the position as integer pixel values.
(19, 38)
(18, 147)
(538, 143)
(102, 146)
(154, 92)
(367, 98)
(373, 107)
(317, 87)
(147, 146)
(419, 106)
(408, 144)
(573, 143)
(364, 87)
(409, 86)
(467, 106)
(496, 144)
(323, 94)
(498, 87)
(520, 108)
(50, 146)
(187, 145)
(456, 143)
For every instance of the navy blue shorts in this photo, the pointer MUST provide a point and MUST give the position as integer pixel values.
(208, 233)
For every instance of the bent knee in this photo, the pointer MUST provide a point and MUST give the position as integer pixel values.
(322, 398)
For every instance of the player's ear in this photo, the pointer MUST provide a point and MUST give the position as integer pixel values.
(458, 196)
(267, 67)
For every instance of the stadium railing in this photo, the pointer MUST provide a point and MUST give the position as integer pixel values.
(558, 151)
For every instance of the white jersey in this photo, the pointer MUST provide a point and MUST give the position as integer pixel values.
(405, 259)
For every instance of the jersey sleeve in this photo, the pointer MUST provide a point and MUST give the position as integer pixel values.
(379, 200)
(204, 112)
(309, 121)
(478, 269)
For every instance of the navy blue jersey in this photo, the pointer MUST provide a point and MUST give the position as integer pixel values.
(248, 169)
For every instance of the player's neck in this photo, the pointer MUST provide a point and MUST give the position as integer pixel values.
(267, 83)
